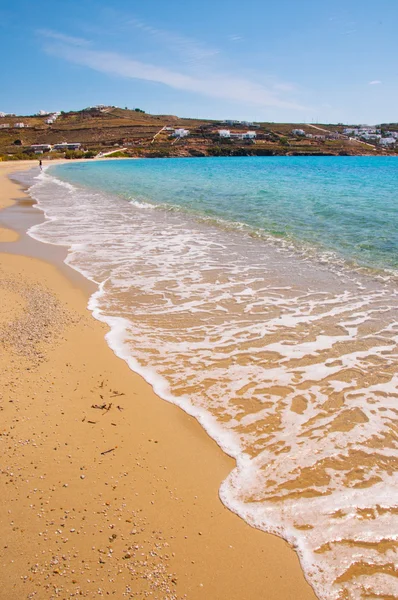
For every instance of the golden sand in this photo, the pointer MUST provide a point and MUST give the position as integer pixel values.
(6, 235)
(105, 488)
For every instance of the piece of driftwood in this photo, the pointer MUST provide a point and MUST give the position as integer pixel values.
(107, 451)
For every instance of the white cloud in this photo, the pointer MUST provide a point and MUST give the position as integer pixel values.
(374, 82)
(60, 37)
(214, 84)
(284, 87)
(189, 49)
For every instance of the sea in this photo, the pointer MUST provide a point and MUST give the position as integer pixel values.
(259, 294)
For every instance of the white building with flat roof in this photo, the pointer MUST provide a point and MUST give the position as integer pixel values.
(41, 148)
(371, 137)
(299, 132)
(224, 133)
(249, 135)
(67, 146)
(19, 125)
(180, 133)
(388, 141)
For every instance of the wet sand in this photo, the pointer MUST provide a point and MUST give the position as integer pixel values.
(106, 489)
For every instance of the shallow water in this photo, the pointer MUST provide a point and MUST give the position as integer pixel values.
(286, 351)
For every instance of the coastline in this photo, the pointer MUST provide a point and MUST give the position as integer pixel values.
(142, 517)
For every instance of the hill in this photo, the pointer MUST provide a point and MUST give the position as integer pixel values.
(134, 133)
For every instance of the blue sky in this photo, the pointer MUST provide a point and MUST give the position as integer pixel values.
(272, 60)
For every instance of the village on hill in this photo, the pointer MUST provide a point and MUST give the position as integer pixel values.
(111, 131)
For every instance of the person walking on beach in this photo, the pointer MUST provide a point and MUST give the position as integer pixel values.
(41, 165)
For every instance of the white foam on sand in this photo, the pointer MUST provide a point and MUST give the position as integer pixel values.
(289, 367)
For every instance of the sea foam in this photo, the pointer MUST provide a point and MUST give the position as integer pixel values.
(289, 365)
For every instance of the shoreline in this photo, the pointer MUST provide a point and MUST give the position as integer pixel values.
(104, 499)
(49, 162)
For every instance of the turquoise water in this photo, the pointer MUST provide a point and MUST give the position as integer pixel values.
(221, 283)
(344, 205)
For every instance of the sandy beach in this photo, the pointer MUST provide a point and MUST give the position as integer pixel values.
(106, 489)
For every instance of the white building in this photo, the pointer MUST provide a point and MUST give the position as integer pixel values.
(2, 114)
(40, 148)
(249, 135)
(180, 133)
(300, 132)
(19, 125)
(224, 133)
(101, 107)
(389, 141)
(371, 137)
(4, 126)
(67, 146)
(52, 118)
(43, 113)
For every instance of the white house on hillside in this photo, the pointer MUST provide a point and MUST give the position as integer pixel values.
(371, 137)
(67, 146)
(300, 132)
(19, 125)
(389, 141)
(249, 135)
(224, 133)
(180, 133)
(40, 148)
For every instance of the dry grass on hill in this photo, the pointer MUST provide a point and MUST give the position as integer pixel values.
(142, 135)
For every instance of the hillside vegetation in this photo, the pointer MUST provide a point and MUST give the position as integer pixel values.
(135, 133)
